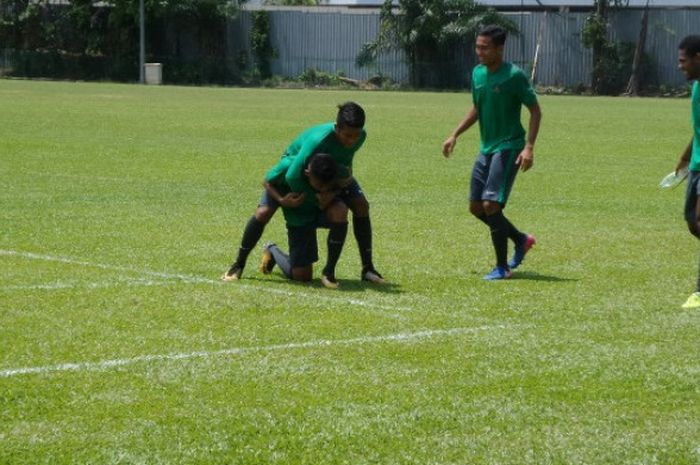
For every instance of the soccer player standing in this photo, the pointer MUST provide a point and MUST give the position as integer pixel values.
(689, 64)
(499, 90)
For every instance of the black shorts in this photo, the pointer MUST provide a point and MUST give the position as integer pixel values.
(493, 176)
(303, 245)
(691, 196)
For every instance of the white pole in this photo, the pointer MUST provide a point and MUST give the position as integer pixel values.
(142, 43)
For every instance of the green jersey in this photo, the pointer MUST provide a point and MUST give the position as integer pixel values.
(695, 106)
(498, 98)
(318, 139)
(309, 210)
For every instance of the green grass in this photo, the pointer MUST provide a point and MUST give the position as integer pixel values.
(121, 205)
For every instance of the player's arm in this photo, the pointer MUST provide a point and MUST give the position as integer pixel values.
(289, 200)
(295, 174)
(468, 121)
(685, 157)
(526, 157)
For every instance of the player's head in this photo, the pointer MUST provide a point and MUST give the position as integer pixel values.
(489, 45)
(349, 123)
(689, 56)
(321, 171)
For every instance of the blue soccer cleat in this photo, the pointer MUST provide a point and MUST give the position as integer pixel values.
(520, 251)
(498, 273)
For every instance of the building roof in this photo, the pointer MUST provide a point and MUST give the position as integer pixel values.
(534, 4)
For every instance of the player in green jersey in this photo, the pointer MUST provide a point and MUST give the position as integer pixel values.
(499, 90)
(341, 140)
(689, 64)
(312, 205)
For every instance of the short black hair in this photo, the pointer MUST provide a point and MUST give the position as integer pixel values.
(690, 45)
(496, 33)
(323, 167)
(350, 114)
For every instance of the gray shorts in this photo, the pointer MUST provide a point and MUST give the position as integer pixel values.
(691, 196)
(493, 176)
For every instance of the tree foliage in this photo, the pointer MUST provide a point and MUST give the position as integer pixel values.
(429, 32)
(605, 52)
(87, 28)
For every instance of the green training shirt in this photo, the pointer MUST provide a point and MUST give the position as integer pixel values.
(695, 107)
(305, 213)
(318, 139)
(498, 98)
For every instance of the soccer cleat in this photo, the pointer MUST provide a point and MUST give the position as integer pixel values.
(373, 276)
(693, 301)
(234, 273)
(267, 263)
(329, 281)
(498, 273)
(520, 251)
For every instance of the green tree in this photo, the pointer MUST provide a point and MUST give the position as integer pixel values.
(45, 35)
(595, 37)
(429, 32)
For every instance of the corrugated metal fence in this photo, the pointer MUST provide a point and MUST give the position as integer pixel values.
(329, 39)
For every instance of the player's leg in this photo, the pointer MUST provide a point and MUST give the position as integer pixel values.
(251, 235)
(501, 176)
(480, 175)
(355, 199)
(337, 222)
(692, 217)
(303, 253)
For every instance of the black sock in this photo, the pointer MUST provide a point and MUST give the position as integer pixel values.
(363, 234)
(336, 239)
(251, 235)
(499, 237)
(513, 233)
(282, 260)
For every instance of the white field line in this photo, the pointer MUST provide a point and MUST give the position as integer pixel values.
(201, 280)
(107, 364)
(105, 285)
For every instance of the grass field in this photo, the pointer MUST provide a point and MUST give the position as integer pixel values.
(122, 205)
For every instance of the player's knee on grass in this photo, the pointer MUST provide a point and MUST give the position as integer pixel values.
(264, 213)
(303, 273)
(337, 213)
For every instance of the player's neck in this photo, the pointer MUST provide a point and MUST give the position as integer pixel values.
(493, 67)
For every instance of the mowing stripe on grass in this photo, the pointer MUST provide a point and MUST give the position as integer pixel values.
(107, 364)
(201, 280)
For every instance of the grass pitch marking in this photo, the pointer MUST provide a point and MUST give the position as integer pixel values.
(108, 364)
(201, 280)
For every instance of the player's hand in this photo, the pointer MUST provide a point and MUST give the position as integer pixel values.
(292, 200)
(448, 146)
(682, 163)
(525, 159)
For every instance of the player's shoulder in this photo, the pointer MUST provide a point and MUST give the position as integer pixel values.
(513, 70)
(480, 70)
